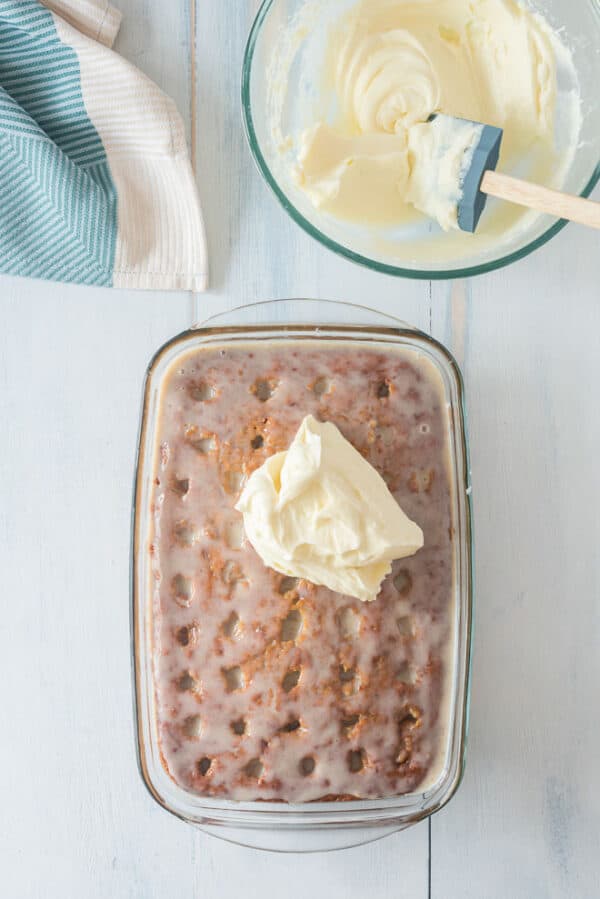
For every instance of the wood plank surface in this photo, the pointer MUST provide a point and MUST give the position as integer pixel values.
(76, 819)
(526, 821)
(257, 253)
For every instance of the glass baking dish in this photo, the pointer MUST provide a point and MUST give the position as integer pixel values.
(324, 825)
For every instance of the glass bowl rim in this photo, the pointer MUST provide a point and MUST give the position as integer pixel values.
(467, 271)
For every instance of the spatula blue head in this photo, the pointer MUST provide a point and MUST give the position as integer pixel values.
(480, 146)
(484, 158)
(453, 173)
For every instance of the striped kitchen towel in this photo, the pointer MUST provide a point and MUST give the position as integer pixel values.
(96, 185)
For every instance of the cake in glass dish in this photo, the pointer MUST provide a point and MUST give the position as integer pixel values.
(266, 687)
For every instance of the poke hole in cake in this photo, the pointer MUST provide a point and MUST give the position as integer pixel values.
(267, 686)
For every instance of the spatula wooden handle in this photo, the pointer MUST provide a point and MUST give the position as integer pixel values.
(542, 199)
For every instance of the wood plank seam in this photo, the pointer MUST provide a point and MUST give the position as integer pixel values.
(194, 296)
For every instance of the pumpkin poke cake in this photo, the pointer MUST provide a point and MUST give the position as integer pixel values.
(271, 686)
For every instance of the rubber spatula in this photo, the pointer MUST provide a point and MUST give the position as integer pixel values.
(480, 180)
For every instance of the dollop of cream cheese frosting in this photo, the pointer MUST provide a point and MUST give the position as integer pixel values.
(320, 511)
(392, 64)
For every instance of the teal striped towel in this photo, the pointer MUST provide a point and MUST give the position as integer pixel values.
(96, 186)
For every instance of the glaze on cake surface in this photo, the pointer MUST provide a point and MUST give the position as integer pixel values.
(268, 688)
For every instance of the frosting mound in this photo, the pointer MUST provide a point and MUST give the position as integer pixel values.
(320, 511)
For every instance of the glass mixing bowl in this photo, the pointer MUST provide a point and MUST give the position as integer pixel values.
(579, 26)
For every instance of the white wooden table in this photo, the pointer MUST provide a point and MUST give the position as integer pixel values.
(75, 820)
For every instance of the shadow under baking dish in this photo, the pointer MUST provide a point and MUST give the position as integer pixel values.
(309, 826)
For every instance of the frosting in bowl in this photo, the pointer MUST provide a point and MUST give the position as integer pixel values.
(389, 65)
(372, 177)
